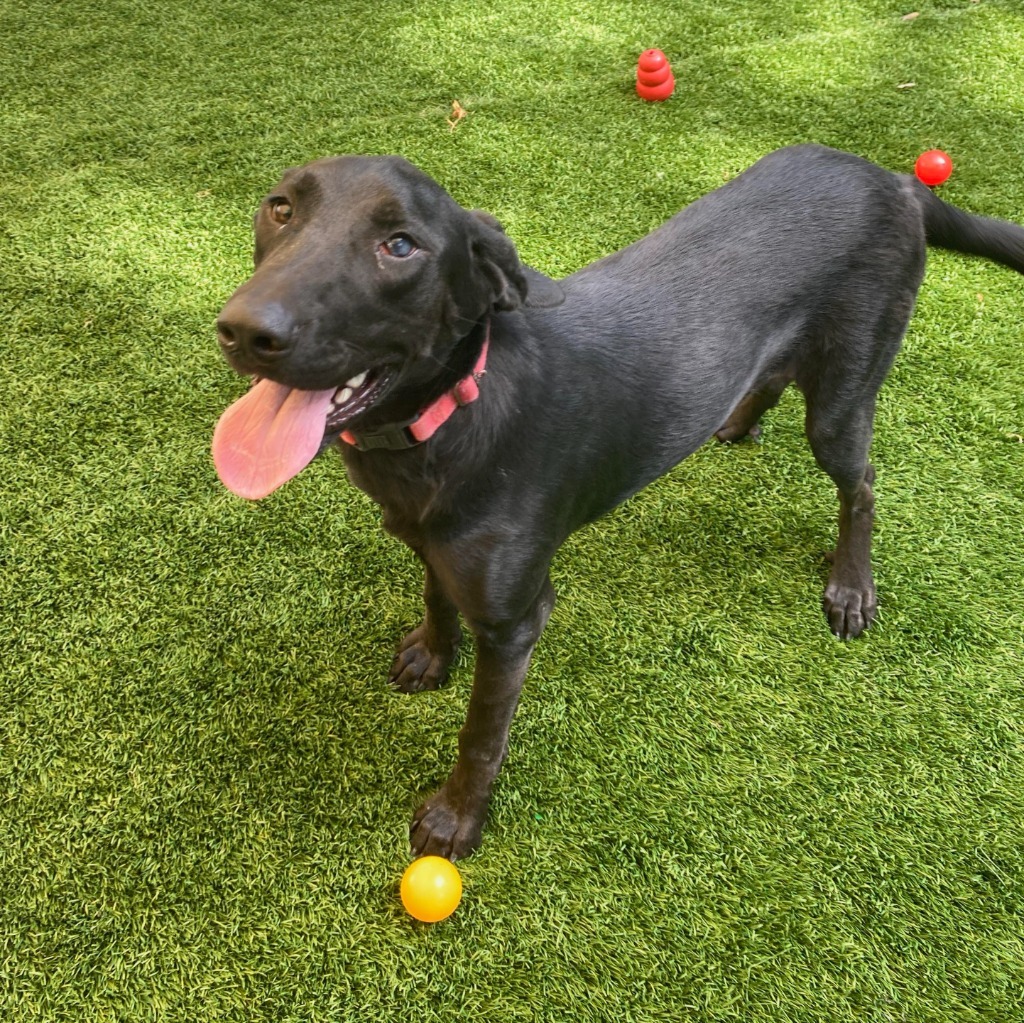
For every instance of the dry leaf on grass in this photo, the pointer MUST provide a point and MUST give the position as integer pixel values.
(458, 113)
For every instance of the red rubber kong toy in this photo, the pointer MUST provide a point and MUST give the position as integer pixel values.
(933, 167)
(654, 80)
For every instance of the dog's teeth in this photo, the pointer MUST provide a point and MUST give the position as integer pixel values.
(356, 381)
(343, 395)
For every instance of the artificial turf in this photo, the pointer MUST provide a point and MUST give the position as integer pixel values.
(713, 810)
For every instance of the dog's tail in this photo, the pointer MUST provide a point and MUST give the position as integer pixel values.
(950, 228)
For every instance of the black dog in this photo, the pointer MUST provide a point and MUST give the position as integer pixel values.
(378, 303)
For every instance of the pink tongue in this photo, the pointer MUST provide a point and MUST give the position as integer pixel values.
(268, 436)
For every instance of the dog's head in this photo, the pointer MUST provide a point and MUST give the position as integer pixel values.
(367, 277)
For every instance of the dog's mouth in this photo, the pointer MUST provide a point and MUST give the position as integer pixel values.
(274, 431)
(353, 398)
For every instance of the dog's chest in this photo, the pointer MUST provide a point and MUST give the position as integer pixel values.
(412, 498)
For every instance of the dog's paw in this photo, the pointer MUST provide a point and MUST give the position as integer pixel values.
(416, 668)
(441, 828)
(849, 609)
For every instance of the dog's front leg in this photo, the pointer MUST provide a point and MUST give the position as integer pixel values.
(426, 654)
(450, 822)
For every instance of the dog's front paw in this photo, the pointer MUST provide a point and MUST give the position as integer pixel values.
(849, 609)
(440, 827)
(417, 667)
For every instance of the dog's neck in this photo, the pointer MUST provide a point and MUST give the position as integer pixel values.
(412, 431)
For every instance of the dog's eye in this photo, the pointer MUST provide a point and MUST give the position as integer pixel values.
(280, 210)
(399, 246)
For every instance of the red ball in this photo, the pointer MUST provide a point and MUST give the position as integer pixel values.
(933, 167)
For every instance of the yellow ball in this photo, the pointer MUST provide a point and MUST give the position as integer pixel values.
(431, 889)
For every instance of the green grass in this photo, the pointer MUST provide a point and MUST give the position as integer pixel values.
(713, 811)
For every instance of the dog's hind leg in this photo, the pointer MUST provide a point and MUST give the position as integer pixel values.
(745, 419)
(840, 436)
(426, 654)
(840, 381)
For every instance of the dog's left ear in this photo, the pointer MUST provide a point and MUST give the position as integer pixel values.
(495, 256)
(514, 284)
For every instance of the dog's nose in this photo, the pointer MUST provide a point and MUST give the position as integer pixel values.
(257, 336)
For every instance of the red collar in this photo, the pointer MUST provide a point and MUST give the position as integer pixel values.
(398, 436)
